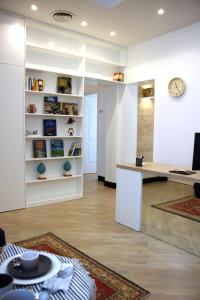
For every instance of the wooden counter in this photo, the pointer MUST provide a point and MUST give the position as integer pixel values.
(129, 189)
(156, 169)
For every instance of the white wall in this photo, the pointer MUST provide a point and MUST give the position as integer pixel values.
(117, 114)
(107, 132)
(176, 120)
(101, 98)
(12, 185)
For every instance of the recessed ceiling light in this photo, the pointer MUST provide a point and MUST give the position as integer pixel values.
(34, 7)
(160, 11)
(84, 23)
(112, 33)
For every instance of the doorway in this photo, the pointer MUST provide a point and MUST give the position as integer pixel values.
(90, 134)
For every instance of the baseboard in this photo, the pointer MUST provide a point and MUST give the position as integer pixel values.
(155, 179)
(110, 184)
(101, 178)
(53, 200)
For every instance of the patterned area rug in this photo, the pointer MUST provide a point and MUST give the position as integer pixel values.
(110, 285)
(188, 207)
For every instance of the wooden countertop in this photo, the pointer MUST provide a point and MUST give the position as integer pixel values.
(156, 169)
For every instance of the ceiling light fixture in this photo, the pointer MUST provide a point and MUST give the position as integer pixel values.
(84, 23)
(160, 11)
(113, 33)
(34, 7)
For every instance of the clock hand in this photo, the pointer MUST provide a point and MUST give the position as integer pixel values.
(177, 87)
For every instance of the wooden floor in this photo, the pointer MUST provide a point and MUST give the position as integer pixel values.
(88, 224)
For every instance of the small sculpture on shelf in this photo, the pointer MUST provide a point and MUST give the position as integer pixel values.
(71, 131)
(31, 109)
(67, 167)
(31, 132)
(119, 76)
(41, 169)
(71, 120)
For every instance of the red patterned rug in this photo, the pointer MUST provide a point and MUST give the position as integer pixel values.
(188, 207)
(110, 285)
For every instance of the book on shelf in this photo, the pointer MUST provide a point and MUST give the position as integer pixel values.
(39, 149)
(33, 84)
(64, 85)
(51, 105)
(75, 149)
(49, 127)
(75, 109)
(57, 148)
(68, 108)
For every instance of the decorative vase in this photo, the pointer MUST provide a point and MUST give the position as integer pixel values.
(67, 167)
(41, 169)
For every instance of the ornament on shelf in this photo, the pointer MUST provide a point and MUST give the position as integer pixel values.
(31, 109)
(41, 169)
(119, 76)
(71, 120)
(40, 84)
(67, 167)
(71, 131)
(31, 132)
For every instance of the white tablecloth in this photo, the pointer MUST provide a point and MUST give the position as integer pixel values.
(82, 286)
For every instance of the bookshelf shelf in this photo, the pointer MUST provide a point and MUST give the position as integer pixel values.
(53, 137)
(53, 179)
(53, 158)
(53, 51)
(103, 62)
(54, 94)
(53, 115)
(50, 69)
(143, 98)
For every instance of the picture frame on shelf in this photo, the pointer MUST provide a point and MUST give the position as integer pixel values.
(39, 149)
(64, 85)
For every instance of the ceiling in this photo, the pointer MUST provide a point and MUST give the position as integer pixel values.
(133, 20)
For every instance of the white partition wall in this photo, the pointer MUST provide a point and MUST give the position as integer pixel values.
(12, 32)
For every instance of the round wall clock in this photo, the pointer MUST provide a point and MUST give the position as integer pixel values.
(176, 87)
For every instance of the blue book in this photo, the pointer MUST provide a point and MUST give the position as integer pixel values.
(57, 148)
(49, 127)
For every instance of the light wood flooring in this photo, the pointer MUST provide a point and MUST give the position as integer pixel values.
(88, 224)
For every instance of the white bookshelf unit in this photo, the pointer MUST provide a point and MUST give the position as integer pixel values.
(51, 53)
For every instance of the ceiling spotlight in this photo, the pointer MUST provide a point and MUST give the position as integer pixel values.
(34, 7)
(112, 33)
(160, 11)
(84, 23)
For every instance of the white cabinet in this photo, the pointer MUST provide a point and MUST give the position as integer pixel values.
(12, 35)
(12, 138)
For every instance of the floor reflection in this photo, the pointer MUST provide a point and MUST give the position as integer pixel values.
(174, 229)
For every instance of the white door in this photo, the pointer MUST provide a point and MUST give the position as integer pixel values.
(90, 133)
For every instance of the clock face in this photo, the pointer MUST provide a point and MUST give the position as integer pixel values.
(176, 87)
